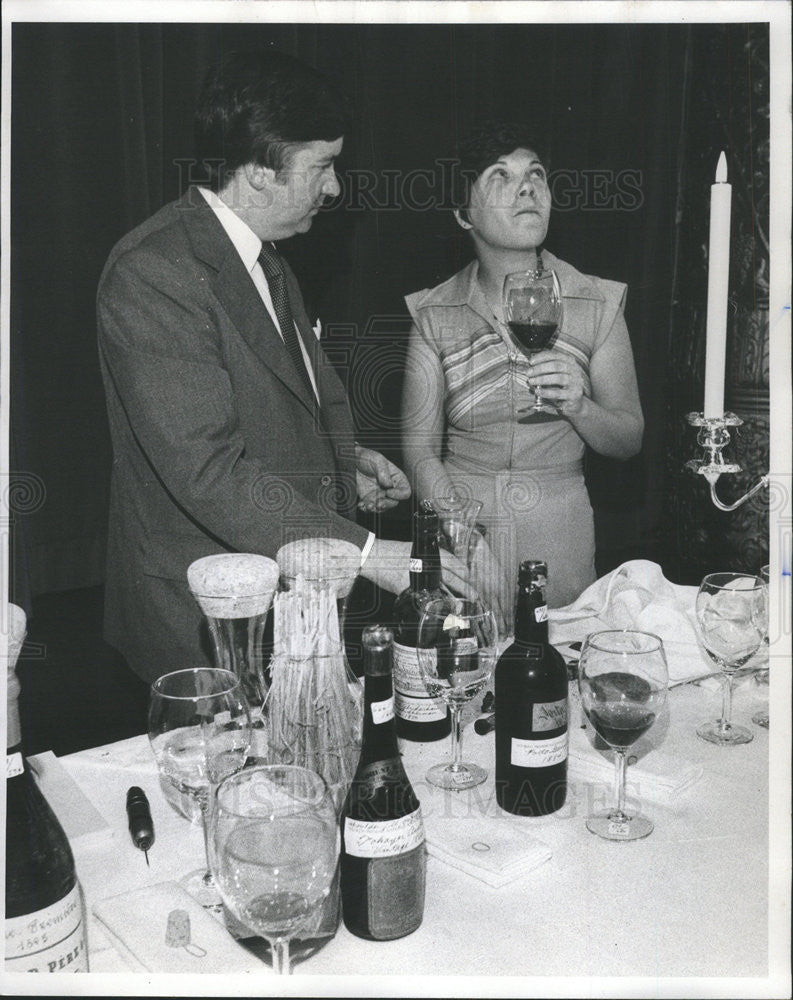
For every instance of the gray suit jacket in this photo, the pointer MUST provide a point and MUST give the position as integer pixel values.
(216, 442)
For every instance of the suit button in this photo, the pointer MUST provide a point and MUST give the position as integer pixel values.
(326, 480)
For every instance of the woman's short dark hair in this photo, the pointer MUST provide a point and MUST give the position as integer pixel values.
(254, 105)
(482, 147)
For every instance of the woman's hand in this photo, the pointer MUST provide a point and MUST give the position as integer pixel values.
(561, 380)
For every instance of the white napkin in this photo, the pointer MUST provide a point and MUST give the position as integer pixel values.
(636, 595)
(160, 928)
(468, 831)
(658, 776)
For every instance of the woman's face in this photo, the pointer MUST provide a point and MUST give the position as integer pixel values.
(511, 202)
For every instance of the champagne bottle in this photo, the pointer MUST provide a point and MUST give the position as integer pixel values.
(45, 925)
(383, 861)
(531, 707)
(418, 717)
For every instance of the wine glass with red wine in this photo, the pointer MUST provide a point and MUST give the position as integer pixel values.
(623, 680)
(533, 313)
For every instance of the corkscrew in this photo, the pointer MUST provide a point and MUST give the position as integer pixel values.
(141, 827)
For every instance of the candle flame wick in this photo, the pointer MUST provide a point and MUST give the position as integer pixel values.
(721, 169)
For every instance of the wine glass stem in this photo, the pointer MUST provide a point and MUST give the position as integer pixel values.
(203, 799)
(280, 949)
(457, 740)
(726, 706)
(619, 778)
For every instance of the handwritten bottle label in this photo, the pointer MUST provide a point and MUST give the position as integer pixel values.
(549, 715)
(364, 839)
(415, 565)
(382, 711)
(411, 700)
(538, 753)
(49, 940)
(541, 613)
(14, 765)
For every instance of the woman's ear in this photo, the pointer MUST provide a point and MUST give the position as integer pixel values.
(461, 214)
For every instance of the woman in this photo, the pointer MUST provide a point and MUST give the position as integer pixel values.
(466, 380)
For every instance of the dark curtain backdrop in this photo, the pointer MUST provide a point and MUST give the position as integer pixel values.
(102, 136)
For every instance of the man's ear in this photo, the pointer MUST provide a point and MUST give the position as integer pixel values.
(259, 177)
(461, 214)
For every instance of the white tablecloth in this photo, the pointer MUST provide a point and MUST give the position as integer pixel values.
(689, 901)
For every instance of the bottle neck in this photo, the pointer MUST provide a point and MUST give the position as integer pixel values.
(379, 729)
(425, 558)
(13, 727)
(531, 615)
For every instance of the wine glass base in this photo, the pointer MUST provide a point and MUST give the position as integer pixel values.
(724, 735)
(611, 826)
(760, 719)
(456, 778)
(203, 891)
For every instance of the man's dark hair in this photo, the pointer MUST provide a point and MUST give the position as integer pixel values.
(482, 147)
(255, 105)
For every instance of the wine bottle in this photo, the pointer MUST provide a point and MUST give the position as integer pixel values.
(418, 716)
(45, 924)
(383, 860)
(531, 707)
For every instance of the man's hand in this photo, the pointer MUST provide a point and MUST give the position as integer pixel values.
(381, 484)
(388, 561)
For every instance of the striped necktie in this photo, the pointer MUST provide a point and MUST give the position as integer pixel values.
(270, 260)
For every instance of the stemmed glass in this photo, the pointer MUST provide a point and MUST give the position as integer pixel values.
(533, 311)
(623, 680)
(457, 518)
(457, 649)
(275, 847)
(200, 732)
(731, 614)
(761, 675)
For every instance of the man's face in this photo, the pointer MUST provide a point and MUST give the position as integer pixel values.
(296, 193)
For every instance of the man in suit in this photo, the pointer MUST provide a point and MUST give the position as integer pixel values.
(230, 429)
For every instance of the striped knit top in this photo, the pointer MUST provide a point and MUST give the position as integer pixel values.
(485, 374)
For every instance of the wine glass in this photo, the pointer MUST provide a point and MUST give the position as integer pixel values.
(457, 518)
(731, 614)
(761, 675)
(457, 649)
(275, 847)
(623, 680)
(533, 313)
(200, 732)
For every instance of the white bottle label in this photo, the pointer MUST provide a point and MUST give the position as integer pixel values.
(13, 765)
(415, 565)
(382, 711)
(418, 709)
(407, 676)
(364, 839)
(541, 613)
(538, 753)
(546, 715)
(49, 940)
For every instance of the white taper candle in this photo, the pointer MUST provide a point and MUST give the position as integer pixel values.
(718, 282)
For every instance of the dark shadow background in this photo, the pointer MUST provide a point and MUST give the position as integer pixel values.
(102, 137)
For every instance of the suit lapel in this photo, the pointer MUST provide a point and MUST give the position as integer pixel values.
(238, 295)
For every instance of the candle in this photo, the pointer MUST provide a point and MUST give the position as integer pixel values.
(718, 280)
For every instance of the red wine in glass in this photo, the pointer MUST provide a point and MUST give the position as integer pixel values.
(533, 336)
(533, 312)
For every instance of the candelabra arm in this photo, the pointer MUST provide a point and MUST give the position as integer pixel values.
(764, 481)
(713, 436)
